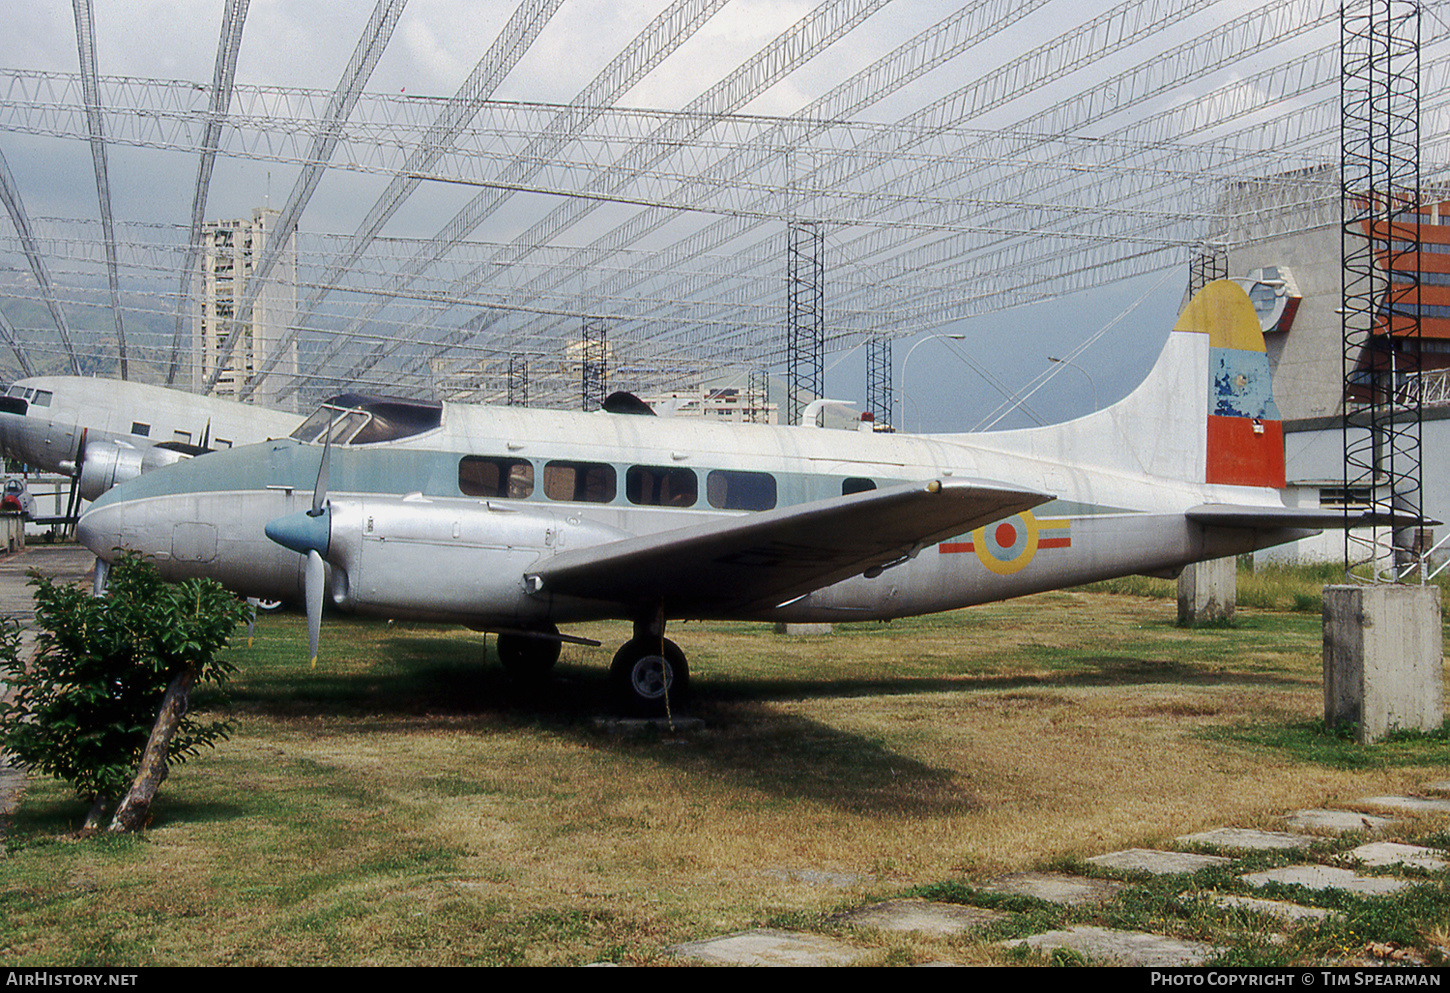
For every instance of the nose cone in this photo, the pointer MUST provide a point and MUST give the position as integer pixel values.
(302, 532)
(99, 529)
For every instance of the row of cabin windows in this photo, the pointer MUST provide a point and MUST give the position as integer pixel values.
(644, 485)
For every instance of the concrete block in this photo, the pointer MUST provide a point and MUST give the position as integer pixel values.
(1056, 887)
(1277, 908)
(1131, 948)
(1336, 821)
(1383, 658)
(1392, 853)
(1246, 839)
(1208, 592)
(923, 916)
(1413, 805)
(798, 629)
(1156, 862)
(1323, 877)
(770, 948)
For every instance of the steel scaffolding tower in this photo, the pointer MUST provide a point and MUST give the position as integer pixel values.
(878, 381)
(757, 396)
(1209, 262)
(593, 364)
(518, 381)
(805, 319)
(1380, 247)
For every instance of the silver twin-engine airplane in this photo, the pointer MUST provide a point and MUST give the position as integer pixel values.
(515, 521)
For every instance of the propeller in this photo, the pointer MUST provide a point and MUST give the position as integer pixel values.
(73, 502)
(310, 532)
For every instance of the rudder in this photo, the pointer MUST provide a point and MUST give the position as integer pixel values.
(1245, 436)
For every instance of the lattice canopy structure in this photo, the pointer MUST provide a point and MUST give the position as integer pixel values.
(640, 180)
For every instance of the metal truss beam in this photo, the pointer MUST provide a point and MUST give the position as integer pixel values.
(223, 76)
(365, 57)
(86, 46)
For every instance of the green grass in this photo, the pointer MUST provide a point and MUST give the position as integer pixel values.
(407, 803)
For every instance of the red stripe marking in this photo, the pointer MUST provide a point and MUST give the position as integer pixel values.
(1239, 456)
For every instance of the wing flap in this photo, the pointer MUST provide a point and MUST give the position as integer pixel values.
(764, 558)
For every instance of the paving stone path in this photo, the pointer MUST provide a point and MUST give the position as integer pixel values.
(1109, 946)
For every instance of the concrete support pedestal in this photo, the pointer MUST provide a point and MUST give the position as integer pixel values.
(1208, 592)
(783, 628)
(1383, 659)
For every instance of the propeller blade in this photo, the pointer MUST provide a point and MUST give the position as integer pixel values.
(316, 579)
(73, 501)
(319, 491)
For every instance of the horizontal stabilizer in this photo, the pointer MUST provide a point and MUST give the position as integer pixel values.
(760, 560)
(1225, 515)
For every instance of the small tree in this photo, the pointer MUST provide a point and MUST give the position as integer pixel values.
(84, 709)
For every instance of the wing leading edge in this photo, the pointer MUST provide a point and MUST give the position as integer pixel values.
(761, 560)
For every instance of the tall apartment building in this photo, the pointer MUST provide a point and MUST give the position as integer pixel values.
(230, 252)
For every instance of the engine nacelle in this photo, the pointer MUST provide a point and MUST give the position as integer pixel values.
(110, 463)
(443, 559)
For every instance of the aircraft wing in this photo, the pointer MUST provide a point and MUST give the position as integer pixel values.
(1304, 518)
(761, 560)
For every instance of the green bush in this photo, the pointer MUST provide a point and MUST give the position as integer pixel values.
(83, 708)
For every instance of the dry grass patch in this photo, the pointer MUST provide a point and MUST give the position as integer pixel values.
(404, 804)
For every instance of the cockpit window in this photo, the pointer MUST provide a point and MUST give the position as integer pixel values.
(42, 398)
(356, 419)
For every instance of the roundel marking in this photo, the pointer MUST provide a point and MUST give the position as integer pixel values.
(1009, 545)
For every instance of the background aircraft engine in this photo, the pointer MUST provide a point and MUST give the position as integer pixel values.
(109, 463)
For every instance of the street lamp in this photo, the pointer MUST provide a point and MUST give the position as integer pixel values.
(1080, 369)
(909, 351)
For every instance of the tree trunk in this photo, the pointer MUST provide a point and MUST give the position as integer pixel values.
(134, 809)
(97, 811)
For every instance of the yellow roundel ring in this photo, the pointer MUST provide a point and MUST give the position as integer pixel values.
(1007, 546)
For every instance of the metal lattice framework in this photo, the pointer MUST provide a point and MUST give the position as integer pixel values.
(1381, 242)
(957, 172)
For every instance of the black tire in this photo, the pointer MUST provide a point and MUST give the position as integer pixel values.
(528, 659)
(650, 677)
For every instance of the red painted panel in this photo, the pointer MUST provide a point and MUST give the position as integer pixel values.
(1240, 456)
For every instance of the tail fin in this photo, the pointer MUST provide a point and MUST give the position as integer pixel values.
(1205, 412)
(1245, 438)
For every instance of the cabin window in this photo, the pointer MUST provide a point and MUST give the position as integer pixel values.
(661, 486)
(42, 398)
(856, 484)
(221, 443)
(182, 436)
(582, 482)
(731, 489)
(140, 430)
(496, 478)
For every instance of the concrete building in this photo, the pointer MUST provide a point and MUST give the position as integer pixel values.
(230, 252)
(1295, 282)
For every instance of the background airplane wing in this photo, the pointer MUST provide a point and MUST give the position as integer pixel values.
(761, 560)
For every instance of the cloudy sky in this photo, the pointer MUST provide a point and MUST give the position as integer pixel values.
(302, 43)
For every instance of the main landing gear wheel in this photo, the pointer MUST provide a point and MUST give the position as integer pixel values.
(528, 659)
(649, 677)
